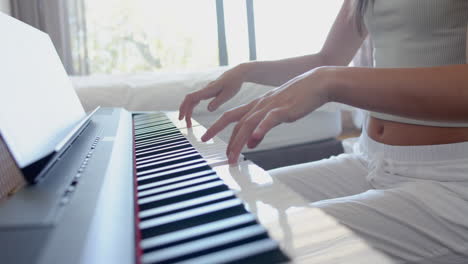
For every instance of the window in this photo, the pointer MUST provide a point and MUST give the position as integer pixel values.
(148, 35)
(127, 36)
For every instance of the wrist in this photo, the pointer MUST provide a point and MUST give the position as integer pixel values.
(330, 82)
(247, 70)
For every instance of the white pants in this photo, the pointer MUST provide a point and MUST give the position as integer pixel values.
(410, 203)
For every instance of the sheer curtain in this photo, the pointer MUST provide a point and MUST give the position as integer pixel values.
(54, 18)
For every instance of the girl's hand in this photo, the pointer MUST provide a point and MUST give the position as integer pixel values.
(287, 103)
(222, 89)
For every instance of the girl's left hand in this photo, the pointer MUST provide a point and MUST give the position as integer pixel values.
(287, 103)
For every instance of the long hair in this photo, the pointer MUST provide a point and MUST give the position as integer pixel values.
(361, 8)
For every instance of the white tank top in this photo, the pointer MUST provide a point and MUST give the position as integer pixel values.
(418, 33)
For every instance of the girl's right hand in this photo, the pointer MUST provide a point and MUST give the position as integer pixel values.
(222, 89)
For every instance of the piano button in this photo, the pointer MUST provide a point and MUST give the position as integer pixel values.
(181, 195)
(196, 231)
(168, 161)
(173, 173)
(205, 214)
(171, 167)
(203, 200)
(175, 180)
(206, 245)
(260, 252)
(177, 186)
(165, 154)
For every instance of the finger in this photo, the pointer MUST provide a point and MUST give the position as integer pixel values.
(227, 118)
(272, 119)
(252, 107)
(261, 104)
(246, 127)
(193, 99)
(220, 99)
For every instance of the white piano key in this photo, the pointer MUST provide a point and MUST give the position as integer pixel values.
(180, 192)
(165, 154)
(177, 185)
(189, 213)
(154, 163)
(185, 204)
(196, 231)
(239, 253)
(176, 179)
(158, 140)
(157, 134)
(156, 149)
(203, 244)
(155, 175)
(152, 171)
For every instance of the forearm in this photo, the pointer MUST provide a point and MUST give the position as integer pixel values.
(437, 93)
(276, 73)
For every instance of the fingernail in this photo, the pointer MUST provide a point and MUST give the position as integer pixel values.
(203, 138)
(210, 108)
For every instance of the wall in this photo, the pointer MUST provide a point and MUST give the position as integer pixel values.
(5, 6)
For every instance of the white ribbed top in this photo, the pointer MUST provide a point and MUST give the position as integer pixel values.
(418, 33)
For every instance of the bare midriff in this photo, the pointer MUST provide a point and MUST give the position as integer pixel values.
(401, 134)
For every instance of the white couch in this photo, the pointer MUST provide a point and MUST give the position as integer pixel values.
(165, 91)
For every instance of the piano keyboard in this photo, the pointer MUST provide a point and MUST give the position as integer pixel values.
(184, 212)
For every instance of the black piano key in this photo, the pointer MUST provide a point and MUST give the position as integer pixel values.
(163, 155)
(173, 173)
(172, 180)
(181, 195)
(160, 149)
(177, 186)
(169, 161)
(163, 150)
(160, 144)
(166, 156)
(157, 139)
(196, 232)
(265, 251)
(188, 204)
(206, 245)
(191, 218)
(154, 124)
(143, 133)
(171, 167)
(157, 134)
(153, 132)
(151, 135)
